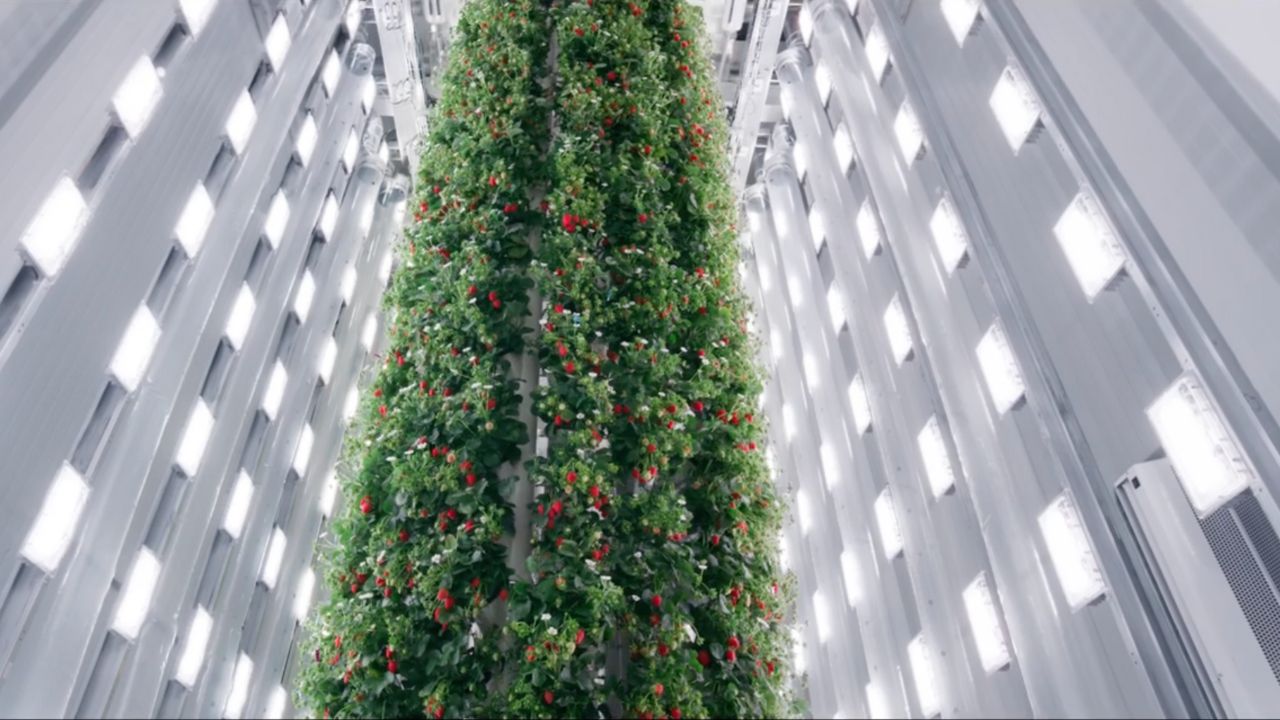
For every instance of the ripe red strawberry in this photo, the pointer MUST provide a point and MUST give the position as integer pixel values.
(392, 666)
(548, 697)
(696, 406)
(675, 713)
(643, 218)
(733, 642)
(715, 540)
(404, 536)
(730, 656)
(656, 600)
(471, 479)
(388, 652)
(569, 367)
(580, 637)
(366, 505)
(658, 689)
(663, 649)
(571, 477)
(442, 594)
(704, 658)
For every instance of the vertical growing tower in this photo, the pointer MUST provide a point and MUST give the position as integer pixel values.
(558, 504)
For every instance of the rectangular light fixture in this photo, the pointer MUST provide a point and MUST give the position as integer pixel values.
(329, 493)
(302, 453)
(869, 229)
(56, 227)
(1071, 553)
(817, 232)
(789, 421)
(949, 235)
(241, 676)
(135, 598)
(928, 693)
(804, 511)
(241, 317)
(137, 345)
(895, 324)
(366, 216)
(368, 94)
(821, 616)
(835, 306)
(960, 16)
(305, 144)
(369, 332)
(241, 121)
(136, 98)
(302, 595)
(274, 557)
(937, 462)
(193, 651)
(822, 76)
(278, 42)
(1000, 369)
(353, 16)
(1015, 106)
(984, 621)
(878, 51)
(906, 127)
(812, 375)
(193, 223)
(197, 13)
(384, 152)
(844, 147)
(384, 269)
(277, 219)
(55, 525)
(306, 295)
(348, 284)
(328, 358)
(877, 703)
(195, 439)
(801, 158)
(806, 25)
(331, 73)
(276, 703)
(1205, 455)
(1090, 244)
(887, 522)
(860, 403)
(329, 216)
(852, 578)
(274, 394)
(238, 505)
(350, 151)
(830, 466)
(350, 404)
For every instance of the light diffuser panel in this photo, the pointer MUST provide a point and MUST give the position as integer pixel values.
(1204, 453)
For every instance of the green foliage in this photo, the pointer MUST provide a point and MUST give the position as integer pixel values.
(655, 584)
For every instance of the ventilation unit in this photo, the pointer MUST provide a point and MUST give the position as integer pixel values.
(1217, 580)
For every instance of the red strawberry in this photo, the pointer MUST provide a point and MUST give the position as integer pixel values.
(675, 713)
(548, 697)
(448, 603)
(404, 536)
(580, 637)
(696, 406)
(388, 652)
(569, 367)
(471, 479)
(715, 540)
(382, 410)
(442, 594)
(571, 477)
(366, 505)
(392, 667)
(663, 649)
(733, 642)
(658, 689)
(566, 221)
(730, 656)
(704, 658)
(643, 218)
(656, 600)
